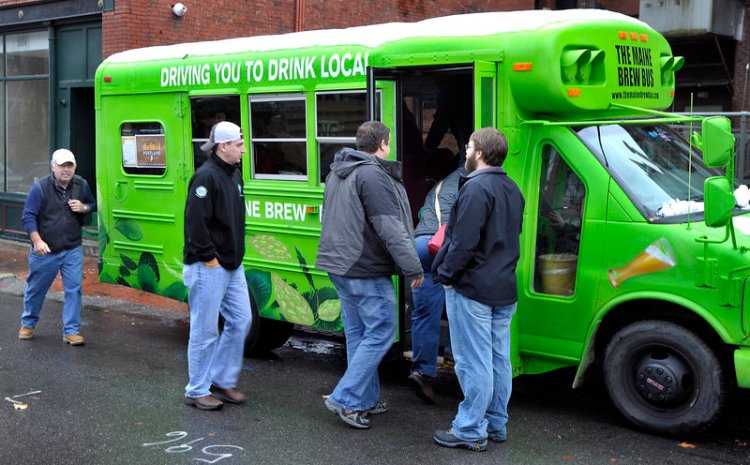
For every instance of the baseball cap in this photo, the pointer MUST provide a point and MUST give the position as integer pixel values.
(62, 156)
(223, 131)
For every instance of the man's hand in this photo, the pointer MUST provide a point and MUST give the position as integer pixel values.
(213, 263)
(40, 247)
(78, 206)
(416, 282)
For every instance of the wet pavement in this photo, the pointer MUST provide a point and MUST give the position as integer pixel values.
(118, 400)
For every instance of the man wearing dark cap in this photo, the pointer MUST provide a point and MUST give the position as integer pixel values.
(53, 215)
(213, 272)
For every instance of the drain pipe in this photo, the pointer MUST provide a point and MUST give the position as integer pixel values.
(299, 16)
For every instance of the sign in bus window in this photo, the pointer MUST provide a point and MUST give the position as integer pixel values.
(279, 137)
(143, 148)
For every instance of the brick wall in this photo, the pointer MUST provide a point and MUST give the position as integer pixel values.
(141, 23)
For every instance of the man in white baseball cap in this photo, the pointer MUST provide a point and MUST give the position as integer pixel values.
(53, 215)
(222, 132)
(213, 272)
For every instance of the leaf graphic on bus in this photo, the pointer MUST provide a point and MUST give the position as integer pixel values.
(177, 291)
(259, 285)
(129, 229)
(103, 239)
(124, 270)
(128, 262)
(329, 310)
(147, 279)
(270, 248)
(147, 259)
(293, 306)
(107, 278)
(305, 268)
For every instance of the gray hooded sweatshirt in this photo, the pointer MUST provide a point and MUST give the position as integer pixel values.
(367, 230)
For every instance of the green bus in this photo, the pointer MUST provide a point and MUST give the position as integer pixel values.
(630, 262)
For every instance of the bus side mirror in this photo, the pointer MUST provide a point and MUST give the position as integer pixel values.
(718, 201)
(717, 142)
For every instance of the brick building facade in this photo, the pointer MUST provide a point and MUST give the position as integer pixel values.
(140, 23)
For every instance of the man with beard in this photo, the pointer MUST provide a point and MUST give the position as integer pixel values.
(477, 266)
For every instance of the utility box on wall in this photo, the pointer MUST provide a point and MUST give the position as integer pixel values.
(693, 17)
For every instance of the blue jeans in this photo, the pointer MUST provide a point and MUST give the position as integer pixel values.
(368, 309)
(42, 272)
(428, 300)
(215, 358)
(480, 337)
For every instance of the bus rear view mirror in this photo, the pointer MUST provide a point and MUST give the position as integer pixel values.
(718, 201)
(717, 141)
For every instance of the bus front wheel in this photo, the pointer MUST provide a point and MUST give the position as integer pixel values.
(664, 378)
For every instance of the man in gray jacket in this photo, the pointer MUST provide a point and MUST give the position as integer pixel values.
(367, 237)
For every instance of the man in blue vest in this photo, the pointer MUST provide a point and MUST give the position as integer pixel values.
(55, 210)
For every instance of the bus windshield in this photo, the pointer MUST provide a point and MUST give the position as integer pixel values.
(652, 163)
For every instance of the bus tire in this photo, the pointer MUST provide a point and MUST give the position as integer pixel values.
(265, 334)
(663, 378)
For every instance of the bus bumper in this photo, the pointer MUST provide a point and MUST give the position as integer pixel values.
(742, 367)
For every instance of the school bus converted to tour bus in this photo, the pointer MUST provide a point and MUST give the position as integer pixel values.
(634, 253)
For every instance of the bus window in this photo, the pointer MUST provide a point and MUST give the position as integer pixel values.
(338, 115)
(207, 111)
(279, 140)
(561, 196)
(143, 148)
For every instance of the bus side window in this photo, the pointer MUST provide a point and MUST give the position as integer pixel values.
(206, 111)
(560, 209)
(143, 148)
(279, 137)
(338, 115)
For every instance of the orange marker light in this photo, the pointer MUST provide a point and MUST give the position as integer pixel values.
(634, 36)
(311, 209)
(622, 35)
(644, 38)
(574, 92)
(522, 66)
(671, 93)
(107, 78)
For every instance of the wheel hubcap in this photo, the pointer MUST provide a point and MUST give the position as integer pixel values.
(662, 378)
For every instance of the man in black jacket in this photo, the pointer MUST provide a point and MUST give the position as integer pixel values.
(213, 272)
(477, 266)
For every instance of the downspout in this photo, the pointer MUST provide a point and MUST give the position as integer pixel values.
(299, 16)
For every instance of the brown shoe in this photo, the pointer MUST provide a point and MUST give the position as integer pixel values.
(204, 403)
(73, 339)
(423, 386)
(25, 333)
(231, 395)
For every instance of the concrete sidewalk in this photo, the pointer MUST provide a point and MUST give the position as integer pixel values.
(14, 268)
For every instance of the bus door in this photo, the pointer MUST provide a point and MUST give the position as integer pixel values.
(143, 191)
(562, 246)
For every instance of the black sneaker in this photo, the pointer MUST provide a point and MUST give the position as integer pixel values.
(350, 417)
(380, 407)
(423, 387)
(447, 439)
(497, 436)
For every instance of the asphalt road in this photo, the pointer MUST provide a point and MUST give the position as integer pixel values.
(118, 400)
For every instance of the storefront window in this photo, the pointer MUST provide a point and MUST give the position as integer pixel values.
(27, 53)
(24, 96)
(28, 134)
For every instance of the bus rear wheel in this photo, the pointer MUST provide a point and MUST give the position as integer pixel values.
(265, 334)
(664, 378)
